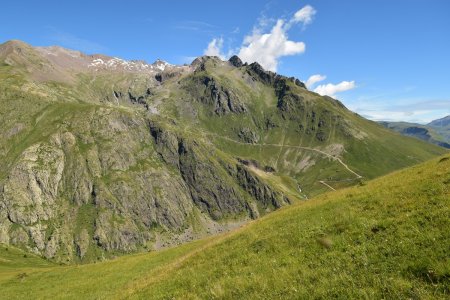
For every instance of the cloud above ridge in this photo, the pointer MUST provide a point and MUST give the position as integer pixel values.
(312, 80)
(267, 48)
(305, 15)
(214, 48)
(330, 89)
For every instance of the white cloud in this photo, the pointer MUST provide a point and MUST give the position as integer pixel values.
(267, 48)
(215, 48)
(331, 89)
(409, 110)
(305, 15)
(314, 79)
(416, 116)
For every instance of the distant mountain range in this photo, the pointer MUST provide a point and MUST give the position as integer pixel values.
(436, 132)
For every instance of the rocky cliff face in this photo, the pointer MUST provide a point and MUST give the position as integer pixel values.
(74, 190)
(110, 182)
(100, 156)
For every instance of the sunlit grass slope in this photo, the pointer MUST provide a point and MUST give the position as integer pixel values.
(388, 238)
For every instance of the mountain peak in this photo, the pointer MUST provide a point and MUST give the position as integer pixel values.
(14, 43)
(442, 122)
(14, 46)
(161, 64)
(203, 59)
(16, 52)
(236, 61)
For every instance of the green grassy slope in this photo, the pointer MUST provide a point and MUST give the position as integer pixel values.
(388, 238)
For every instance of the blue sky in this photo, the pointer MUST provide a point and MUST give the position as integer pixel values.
(384, 59)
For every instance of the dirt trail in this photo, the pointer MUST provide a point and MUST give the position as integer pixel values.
(326, 184)
(297, 147)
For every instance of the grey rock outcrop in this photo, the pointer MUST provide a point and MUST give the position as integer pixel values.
(248, 136)
(236, 61)
(222, 100)
(68, 195)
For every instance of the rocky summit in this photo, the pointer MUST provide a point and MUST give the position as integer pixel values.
(100, 156)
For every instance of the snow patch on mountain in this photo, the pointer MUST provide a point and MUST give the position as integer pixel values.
(161, 65)
(116, 63)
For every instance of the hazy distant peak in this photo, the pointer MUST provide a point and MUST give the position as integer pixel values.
(442, 122)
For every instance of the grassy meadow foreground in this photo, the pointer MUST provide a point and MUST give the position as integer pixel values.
(387, 238)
